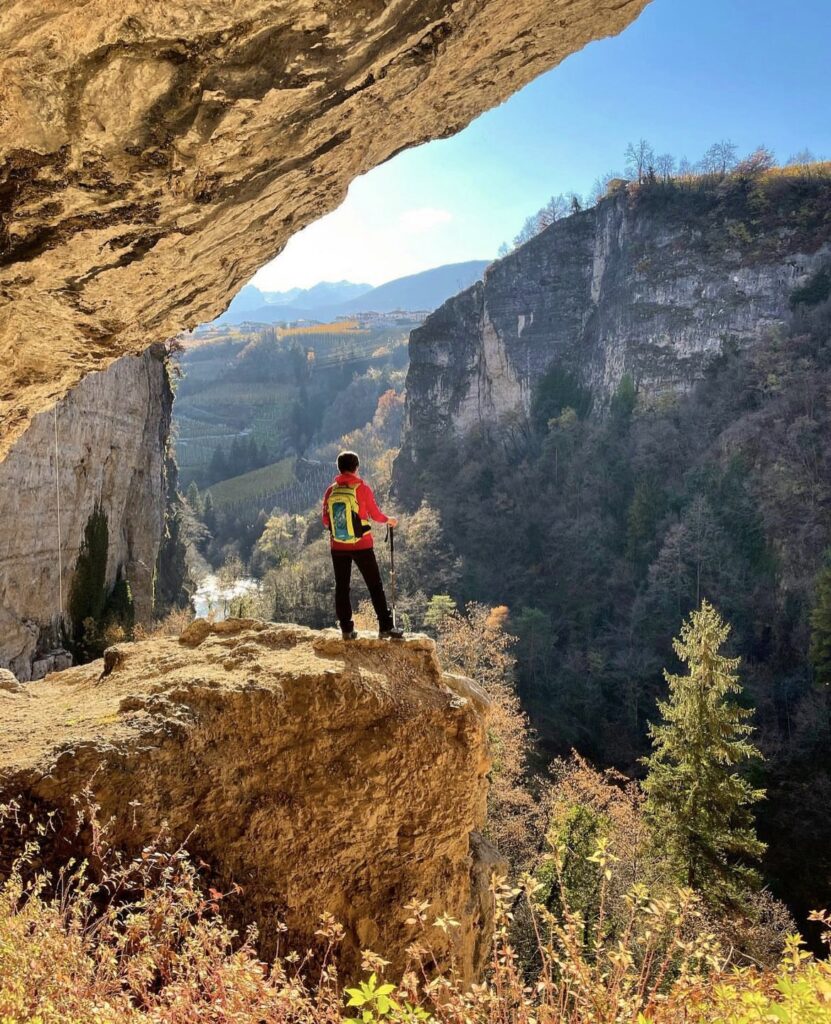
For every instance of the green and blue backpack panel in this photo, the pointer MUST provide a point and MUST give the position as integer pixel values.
(345, 523)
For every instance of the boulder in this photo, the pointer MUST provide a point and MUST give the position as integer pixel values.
(9, 682)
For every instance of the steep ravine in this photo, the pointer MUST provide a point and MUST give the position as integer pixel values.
(318, 775)
(109, 452)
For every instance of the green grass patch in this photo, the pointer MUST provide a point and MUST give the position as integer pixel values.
(251, 485)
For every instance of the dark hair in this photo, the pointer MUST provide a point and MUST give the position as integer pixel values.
(348, 462)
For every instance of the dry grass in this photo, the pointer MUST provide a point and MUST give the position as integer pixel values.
(135, 941)
(171, 625)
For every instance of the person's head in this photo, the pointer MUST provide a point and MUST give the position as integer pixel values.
(348, 462)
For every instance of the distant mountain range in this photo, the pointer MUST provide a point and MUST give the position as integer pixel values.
(326, 293)
(328, 300)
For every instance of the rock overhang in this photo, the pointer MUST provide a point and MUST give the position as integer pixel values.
(153, 158)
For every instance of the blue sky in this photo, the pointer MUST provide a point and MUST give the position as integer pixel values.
(685, 74)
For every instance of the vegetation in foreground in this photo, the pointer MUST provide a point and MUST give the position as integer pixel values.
(140, 941)
(597, 926)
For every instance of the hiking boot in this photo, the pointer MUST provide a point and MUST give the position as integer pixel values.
(395, 633)
(351, 635)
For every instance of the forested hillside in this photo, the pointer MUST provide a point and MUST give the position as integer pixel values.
(601, 530)
(282, 391)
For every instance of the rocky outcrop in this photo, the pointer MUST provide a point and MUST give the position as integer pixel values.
(154, 156)
(319, 775)
(653, 282)
(108, 452)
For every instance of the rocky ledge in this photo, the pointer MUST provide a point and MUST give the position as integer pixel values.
(318, 775)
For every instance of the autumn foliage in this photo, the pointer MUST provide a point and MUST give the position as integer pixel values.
(139, 941)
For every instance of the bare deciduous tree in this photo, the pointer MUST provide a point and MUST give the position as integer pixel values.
(554, 209)
(639, 157)
(665, 166)
(526, 232)
(720, 158)
(685, 168)
(761, 159)
(802, 159)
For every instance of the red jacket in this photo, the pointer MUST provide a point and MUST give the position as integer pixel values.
(367, 509)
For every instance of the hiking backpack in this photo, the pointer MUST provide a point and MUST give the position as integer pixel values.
(345, 523)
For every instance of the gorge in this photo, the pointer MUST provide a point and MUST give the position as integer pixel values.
(630, 414)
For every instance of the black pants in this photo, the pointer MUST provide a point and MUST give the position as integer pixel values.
(368, 566)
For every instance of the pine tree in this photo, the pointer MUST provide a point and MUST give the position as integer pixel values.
(820, 652)
(217, 467)
(439, 606)
(194, 498)
(119, 608)
(88, 593)
(624, 400)
(697, 802)
(209, 512)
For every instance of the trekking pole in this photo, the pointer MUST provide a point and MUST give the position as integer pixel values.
(391, 539)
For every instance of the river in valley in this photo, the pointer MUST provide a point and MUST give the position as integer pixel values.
(214, 597)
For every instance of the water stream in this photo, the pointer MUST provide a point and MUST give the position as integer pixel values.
(212, 596)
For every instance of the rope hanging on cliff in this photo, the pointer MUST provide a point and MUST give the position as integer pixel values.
(58, 499)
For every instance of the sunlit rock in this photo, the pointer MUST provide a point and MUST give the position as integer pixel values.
(317, 774)
(153, 157)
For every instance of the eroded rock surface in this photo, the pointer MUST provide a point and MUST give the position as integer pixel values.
(319, 775)
(650, 283)
(105, 448)
(153, 156)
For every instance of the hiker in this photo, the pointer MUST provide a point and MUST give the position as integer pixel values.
(348, 507)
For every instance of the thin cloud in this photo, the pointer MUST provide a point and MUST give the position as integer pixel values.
(424, 218)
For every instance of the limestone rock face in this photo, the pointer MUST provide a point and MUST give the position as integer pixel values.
(318, 774)
(641, 285)
(153, 156)
(111, 440)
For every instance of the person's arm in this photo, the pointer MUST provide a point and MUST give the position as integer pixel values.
(325, 516)
(373, 512)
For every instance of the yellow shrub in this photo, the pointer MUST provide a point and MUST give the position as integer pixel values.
(139, 942)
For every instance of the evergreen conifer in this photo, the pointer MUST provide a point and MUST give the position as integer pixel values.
(88, 595)
(697, 802)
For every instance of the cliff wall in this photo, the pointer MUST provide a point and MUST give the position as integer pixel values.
(154, 156)
(111, 439)
(651, 282)
(317, 774)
